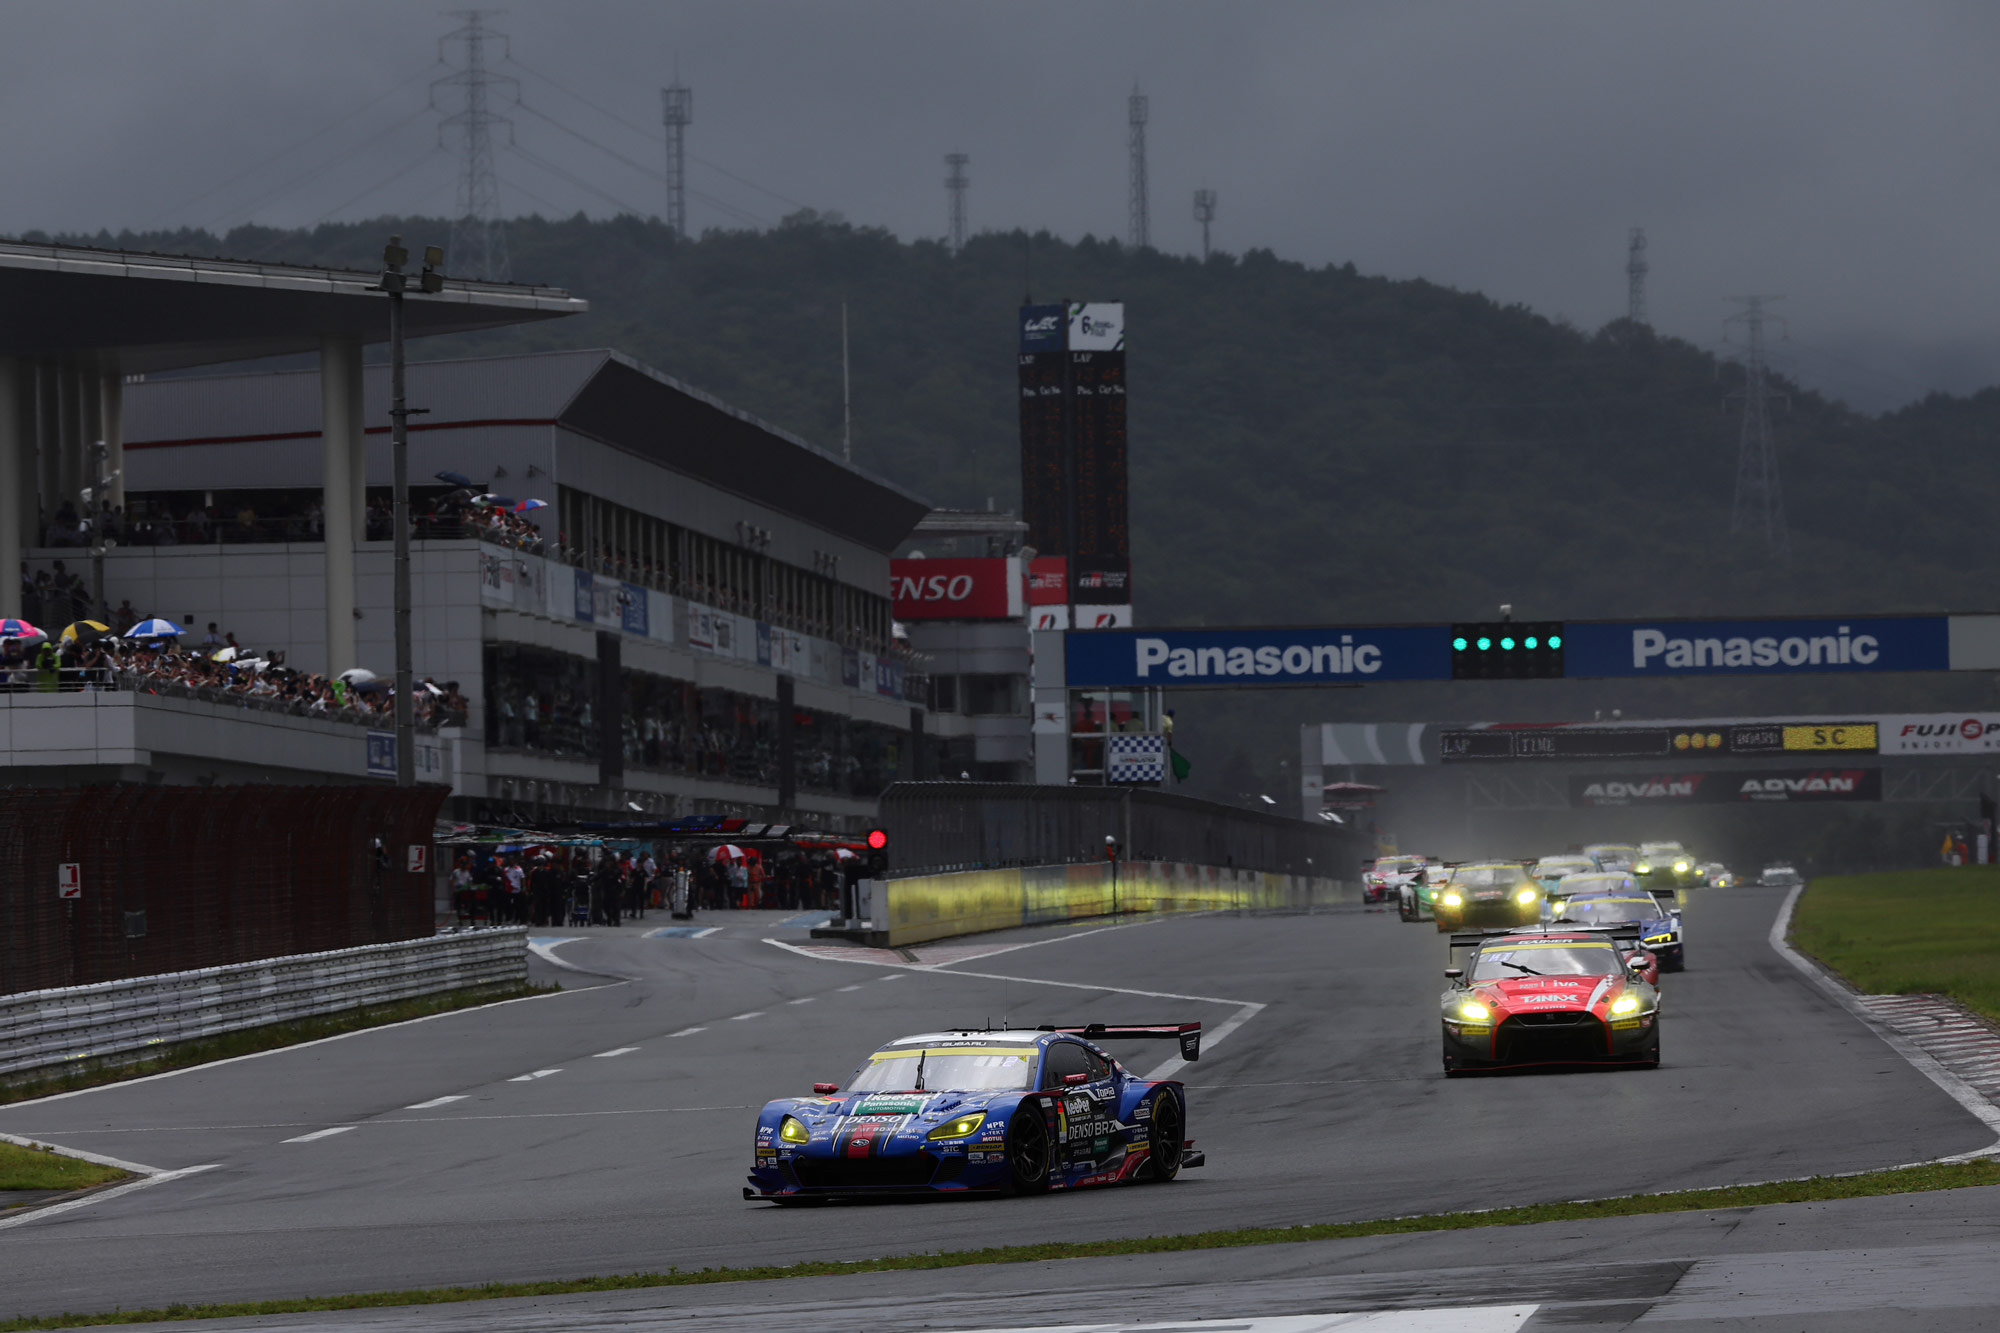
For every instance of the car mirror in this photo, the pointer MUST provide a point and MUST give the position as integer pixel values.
(1454, 972)
(826, 1089)
(1071, 1080)
(1636, 962)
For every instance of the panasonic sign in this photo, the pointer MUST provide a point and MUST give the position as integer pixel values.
(1170, 658)
(1750, 648)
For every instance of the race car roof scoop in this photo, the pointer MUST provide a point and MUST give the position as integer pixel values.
(1188, 1034)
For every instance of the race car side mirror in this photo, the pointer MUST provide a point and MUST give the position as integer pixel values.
(826, 1089)
(1454, 972)
(1071, 1080)
(1636, 962)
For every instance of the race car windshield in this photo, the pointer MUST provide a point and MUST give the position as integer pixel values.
(1568, 865)
(1545, 960)
(1610, 911)
(1394, 867)
(949, 1069)
(1598, 883)
(1487, 877)
(1659, 849)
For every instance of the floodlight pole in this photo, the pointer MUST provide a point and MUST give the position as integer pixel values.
(394, 281)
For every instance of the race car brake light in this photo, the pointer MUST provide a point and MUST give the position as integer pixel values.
(1187, 1034)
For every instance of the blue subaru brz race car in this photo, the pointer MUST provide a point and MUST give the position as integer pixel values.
(1015, 1111)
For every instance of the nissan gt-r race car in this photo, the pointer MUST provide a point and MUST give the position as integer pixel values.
(1386, 875)
(1613, 855)
(1488, 893)
(1551, 870)
(1018, 1111)
(1596, 881)
(1551, 997)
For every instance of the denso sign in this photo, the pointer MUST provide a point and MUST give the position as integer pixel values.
(956, 589)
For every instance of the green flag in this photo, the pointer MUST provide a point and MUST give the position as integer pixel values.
(1182, 767)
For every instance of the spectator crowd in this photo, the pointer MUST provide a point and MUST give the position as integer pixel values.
(557, 885)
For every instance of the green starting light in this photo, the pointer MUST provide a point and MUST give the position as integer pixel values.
(1529, 642)
(1555, 641)
(1484, 643)
(1507, 644)
(1506, 650)
(1458, 645)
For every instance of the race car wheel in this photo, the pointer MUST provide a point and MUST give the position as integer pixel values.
(1405, 908)
(1028, 1151)
(1166, 1139)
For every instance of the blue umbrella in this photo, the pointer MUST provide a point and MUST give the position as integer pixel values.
(453, 478)
(527, 505)
(155, 628)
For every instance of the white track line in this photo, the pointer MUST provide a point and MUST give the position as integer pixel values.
(1245, 1009)
(296, 1046)
(438, 1101)
(686, 1032)
(321, 1134)
(1951, 1084)
(530, 1078)
(622, 1050)
(754, 1013)
(134, 1167)
(157, 1178)
(804, 999)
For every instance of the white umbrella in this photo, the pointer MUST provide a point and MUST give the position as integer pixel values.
(728, 851)
(223, 655)
(359, 676)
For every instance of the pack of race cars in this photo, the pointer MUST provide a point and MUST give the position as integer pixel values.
(1555, 961)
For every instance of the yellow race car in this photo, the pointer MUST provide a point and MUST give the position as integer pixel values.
(1480, 894)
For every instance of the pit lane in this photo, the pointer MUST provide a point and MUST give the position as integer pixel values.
(606, 1129)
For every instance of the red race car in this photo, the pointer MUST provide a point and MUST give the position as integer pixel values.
(1385, 875)
(1550, 996)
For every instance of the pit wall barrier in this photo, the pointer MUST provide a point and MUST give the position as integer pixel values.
(46, 1029)
(933, 907)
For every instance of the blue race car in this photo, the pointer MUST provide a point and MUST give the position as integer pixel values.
(1654, 914)
(1014, 1111)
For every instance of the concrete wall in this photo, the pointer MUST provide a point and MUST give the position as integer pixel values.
(933, 907)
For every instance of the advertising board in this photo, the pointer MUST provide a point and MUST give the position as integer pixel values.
(1670, 740)
(1043, 366)
(1941, 733)
(1757, 647)
(1048, 581)
(1209, 657)
(1728, 788)
(987, 588)
(1096, 327)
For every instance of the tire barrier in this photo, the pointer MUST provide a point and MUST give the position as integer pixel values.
(46, 1029)
(130, 879)
(918, 908)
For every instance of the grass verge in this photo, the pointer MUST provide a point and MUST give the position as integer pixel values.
(184, 1054)
(1909, 932)
(40, 1169)
(1905, 1180)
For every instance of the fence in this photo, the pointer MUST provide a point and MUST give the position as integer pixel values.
(169, 879)
(936, 826)
(57, 1027)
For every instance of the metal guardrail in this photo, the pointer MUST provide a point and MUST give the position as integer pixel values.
(49, 1028)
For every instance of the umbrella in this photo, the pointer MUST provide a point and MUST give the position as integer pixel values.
(491, 501)
(369, 686)
(223, 655)
(526, 505)
(155, 628)
(728, 851)
(84, 631)
(19, 629)
(454, 479)
(358, 676)
(843, 854)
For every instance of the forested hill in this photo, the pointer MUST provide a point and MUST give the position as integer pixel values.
(1307, 444)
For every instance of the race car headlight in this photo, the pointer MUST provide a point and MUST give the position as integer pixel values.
(1667, 938)
(1624, 1004)
(1680, 867)
(1451, 900)
(1526, 896)
(1642, 869)
(792, 1130)
(960, 1128)
(1474, 1012)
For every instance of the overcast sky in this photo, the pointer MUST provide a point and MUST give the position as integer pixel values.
(1842, 154)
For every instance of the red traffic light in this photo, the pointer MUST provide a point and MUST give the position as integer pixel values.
(877, 840)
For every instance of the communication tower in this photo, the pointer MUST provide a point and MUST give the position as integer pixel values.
(955, 184)
(478, 242)
(1140, 231)
(1204, 213)
(1760, 503)
(1635, 276)
(676, 113)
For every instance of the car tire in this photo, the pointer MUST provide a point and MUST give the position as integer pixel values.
(1654, 1063)
(1405, 908)
(1166, 1138)
(1030, 1156)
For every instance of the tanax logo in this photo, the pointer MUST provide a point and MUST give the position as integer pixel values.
(1819, 650)
(1345, 658)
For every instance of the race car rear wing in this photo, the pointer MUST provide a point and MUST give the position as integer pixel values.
(1187, 1034)
(1619, 934)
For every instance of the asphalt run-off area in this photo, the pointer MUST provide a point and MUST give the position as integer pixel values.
(607, 1129)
